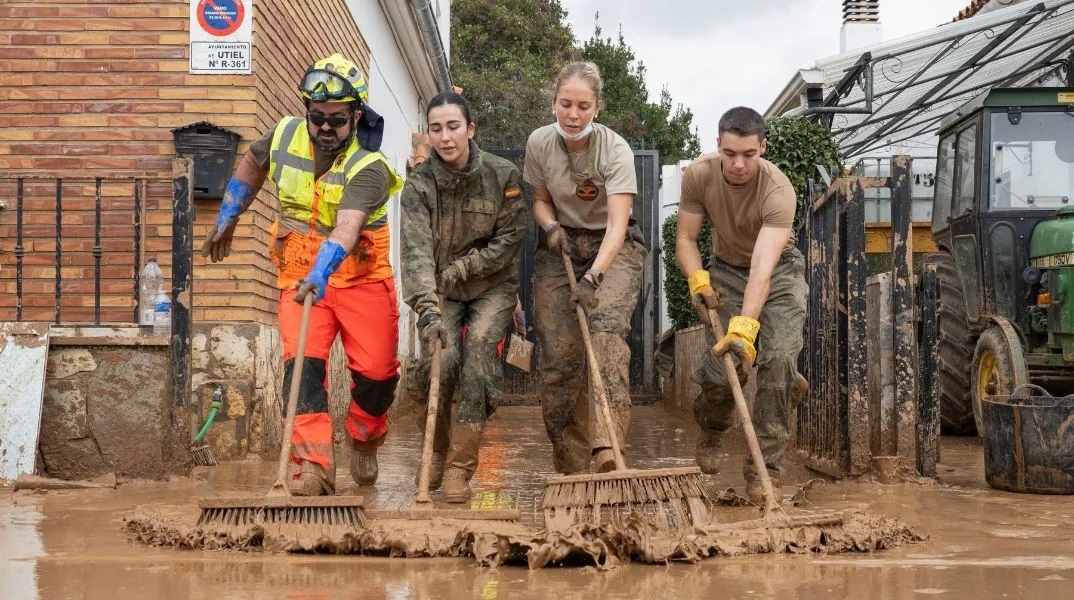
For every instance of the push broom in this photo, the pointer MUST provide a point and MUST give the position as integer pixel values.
(673, 497)
(422, 507)
(200, 451)
(279, 507)
(773, 514)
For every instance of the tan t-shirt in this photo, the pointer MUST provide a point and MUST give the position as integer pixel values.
(549, 165)
(737, 212)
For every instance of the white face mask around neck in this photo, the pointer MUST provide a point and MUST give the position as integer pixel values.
(573, 138)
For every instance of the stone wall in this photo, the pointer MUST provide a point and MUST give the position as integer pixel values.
(106, 409)
(107, 402)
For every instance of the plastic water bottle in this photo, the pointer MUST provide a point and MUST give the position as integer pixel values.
(162, 315)
(152, 286)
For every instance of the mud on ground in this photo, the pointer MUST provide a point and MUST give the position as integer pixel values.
(981, 542)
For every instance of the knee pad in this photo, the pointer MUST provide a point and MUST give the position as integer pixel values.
(312, 397)
(372, 396)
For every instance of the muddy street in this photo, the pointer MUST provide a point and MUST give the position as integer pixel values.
(71, 544)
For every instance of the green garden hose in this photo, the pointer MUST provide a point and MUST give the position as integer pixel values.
(218, 396)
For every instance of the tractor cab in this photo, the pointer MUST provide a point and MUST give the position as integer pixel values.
(1003, 219)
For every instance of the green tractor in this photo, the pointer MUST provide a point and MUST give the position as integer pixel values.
(1003, 221)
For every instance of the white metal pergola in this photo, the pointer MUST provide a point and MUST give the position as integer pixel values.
(902, 89)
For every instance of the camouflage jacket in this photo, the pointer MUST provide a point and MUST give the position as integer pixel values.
(477, 215)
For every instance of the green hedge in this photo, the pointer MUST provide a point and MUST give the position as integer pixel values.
(680, 310)
(795, 145)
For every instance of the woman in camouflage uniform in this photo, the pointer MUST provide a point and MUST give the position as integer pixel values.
(463, 222)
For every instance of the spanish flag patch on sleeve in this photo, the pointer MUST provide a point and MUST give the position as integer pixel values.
(513, 191)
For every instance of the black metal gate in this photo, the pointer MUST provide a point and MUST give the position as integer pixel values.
(834, 433)
(643, 325)
(62, 235)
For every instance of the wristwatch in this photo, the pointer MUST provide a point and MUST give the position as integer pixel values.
(550, 226)
(598, 275)
(430, 317)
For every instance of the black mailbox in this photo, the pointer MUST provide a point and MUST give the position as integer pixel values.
(213, 151)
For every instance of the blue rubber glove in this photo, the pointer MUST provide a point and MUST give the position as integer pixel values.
(329, 257)
(237, 197)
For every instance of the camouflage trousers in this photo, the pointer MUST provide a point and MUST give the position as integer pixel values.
(569, 416)
(473, 366)
(778, 345)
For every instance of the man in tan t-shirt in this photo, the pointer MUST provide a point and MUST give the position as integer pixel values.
(756, 283)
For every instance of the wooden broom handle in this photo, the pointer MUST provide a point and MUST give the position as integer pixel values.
(292, 395)
(594, 372)
(747, 420)
(422, 496)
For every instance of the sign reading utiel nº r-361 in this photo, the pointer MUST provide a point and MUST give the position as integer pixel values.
(220, 36)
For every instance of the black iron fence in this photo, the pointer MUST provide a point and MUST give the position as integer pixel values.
(836, 430)
(71, 251)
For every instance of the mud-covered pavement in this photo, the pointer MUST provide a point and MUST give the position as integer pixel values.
(983, 543)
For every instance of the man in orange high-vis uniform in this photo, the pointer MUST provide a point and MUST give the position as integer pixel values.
(331, 240)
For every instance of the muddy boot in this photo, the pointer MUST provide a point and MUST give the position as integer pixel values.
(456, 488)
(461, 462)
(603, 455)
(312, 479)
(710, 455)
(364, 462)
(436, 470)
(604, 460)
(755, 491)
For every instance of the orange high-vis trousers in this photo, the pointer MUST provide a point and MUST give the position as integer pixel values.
(366, 317)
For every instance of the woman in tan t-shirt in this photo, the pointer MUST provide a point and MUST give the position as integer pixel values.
(582, 175)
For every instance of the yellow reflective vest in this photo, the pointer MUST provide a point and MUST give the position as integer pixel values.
(309, 199)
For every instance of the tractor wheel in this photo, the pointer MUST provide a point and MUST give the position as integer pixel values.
(955, 350)
(999, 366)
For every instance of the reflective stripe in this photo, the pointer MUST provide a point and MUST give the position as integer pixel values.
(292, 168)
(278, 156)
(353, 161)
(344, 175)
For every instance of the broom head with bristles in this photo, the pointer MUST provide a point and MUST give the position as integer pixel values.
(324, 511)
(203, 456)
(673, 498)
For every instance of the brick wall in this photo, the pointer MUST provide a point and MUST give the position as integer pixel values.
(93, 89)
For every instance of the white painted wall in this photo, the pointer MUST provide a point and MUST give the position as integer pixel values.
(392, 93)
(670, 190)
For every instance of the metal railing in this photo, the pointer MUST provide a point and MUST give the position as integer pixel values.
(90, 214)
(31, 200)
(836, 429)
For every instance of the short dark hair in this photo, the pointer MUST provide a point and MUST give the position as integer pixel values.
(742, 121)
(444, 98)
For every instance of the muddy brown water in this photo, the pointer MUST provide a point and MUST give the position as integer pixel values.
(983, 543)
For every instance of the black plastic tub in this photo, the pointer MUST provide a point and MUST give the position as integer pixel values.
(1029, 442)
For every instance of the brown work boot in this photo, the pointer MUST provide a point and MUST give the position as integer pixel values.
(461, 462)
(755, 491)
(436, 470)
(456, 488)
(604, 460)
(364, 462)
(710, 455)
(311, 479)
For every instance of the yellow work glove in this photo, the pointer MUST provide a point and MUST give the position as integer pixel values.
(740, 337)
(703, 295)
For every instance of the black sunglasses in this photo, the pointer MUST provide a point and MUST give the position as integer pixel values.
(335, 121)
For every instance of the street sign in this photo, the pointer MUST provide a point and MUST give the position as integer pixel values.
(220, 36)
